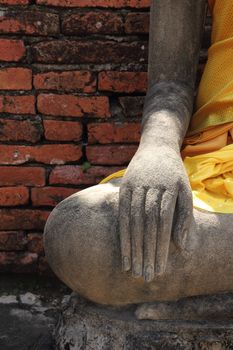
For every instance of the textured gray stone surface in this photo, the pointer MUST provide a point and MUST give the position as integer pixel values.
(85, 326)
(47, 317)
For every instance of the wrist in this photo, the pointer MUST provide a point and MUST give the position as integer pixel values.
(167, 112)
(162, 129)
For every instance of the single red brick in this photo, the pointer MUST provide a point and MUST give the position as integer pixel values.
(20, 262)
(12, 240)
(73, 106)
(17, 176)
(97, 106)
(15, 79)
(28, 22)
(17, 104)
(62, 130)
(35, 243)
(90, 51)
(105, 133)
(137, 23)
(47, 154)
(74, 175)
(14, 2)
(22, 219)
(127, 82)
(81, 81)
(50, 196)
(97, 3)
(12, 196)
(20, 130)
(111, 155)
(11, 50)
(101, 22)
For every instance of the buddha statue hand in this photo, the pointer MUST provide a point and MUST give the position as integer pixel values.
(155, 201)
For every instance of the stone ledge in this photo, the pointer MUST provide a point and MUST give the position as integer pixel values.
(85, 326)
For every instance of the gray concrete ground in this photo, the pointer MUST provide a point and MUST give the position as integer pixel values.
(29, 310)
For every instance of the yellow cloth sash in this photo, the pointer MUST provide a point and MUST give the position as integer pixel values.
(116, 175)
(211, 179)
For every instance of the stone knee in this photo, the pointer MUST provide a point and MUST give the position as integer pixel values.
(81, 241)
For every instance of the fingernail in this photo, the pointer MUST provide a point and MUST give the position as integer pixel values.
(126, 263)
(137, 270)
(149, 273)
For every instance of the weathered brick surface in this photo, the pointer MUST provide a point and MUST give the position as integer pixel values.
(124, 82)
(17, 104)
(47, 154)
(35, 243)
(26, 176)
(97, 3)
(22, 219)
(29, 130)
(105, 133)
(79, 81)
(72, 86)
(14, 2)
(50, 196)
(73, 106)
(13, 196)
(15, 79)
(77, 52)
(60, 130)
(93, 23)
(132, 106)
(12, 240)
(137, 23)
(29, 22)
(74, 175)
(11, 50)
(111, 155)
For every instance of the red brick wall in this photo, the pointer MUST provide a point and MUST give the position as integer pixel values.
(72, 82)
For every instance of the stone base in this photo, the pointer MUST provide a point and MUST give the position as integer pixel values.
(85, 326)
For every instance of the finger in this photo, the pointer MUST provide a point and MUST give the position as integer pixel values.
(136, 229)
(167, 210)
(184, 211)
(152, 206)
(124, 227)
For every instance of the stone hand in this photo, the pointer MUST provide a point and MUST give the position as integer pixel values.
(155, 203)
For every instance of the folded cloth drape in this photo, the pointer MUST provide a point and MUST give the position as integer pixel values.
(211, 179)
(208, 149)
(214, 104)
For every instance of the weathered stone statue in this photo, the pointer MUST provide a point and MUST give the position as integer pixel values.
(138, 239)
